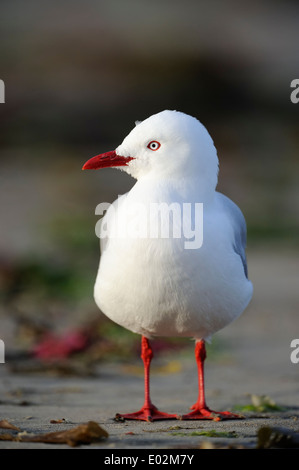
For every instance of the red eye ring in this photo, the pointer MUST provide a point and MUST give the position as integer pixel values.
(154, 145)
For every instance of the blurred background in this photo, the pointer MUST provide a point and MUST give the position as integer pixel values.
(77, 75)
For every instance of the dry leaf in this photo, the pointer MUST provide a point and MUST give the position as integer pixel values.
(7, 437)
(82, 434)
(277, 437)
(262, 401)
(4, 424)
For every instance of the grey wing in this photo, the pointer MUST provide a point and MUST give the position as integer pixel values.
(239, 226)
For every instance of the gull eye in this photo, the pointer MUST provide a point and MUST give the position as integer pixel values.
(154, 145)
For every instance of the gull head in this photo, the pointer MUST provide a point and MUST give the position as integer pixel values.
(169, 144)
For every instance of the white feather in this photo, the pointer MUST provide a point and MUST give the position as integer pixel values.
(155, 286)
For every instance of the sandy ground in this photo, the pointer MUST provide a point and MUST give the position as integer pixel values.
(254, 359)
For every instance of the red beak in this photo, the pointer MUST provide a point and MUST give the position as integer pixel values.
(106, 160)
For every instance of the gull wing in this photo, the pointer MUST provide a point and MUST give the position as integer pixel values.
(238, 223)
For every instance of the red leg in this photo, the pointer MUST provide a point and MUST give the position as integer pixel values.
(200, 409)
(148, 412)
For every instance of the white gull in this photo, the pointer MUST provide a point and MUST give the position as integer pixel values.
(161, 286)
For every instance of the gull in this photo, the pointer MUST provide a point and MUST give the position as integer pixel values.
(153, 279)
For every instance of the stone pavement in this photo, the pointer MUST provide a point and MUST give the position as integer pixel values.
(254, 358)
